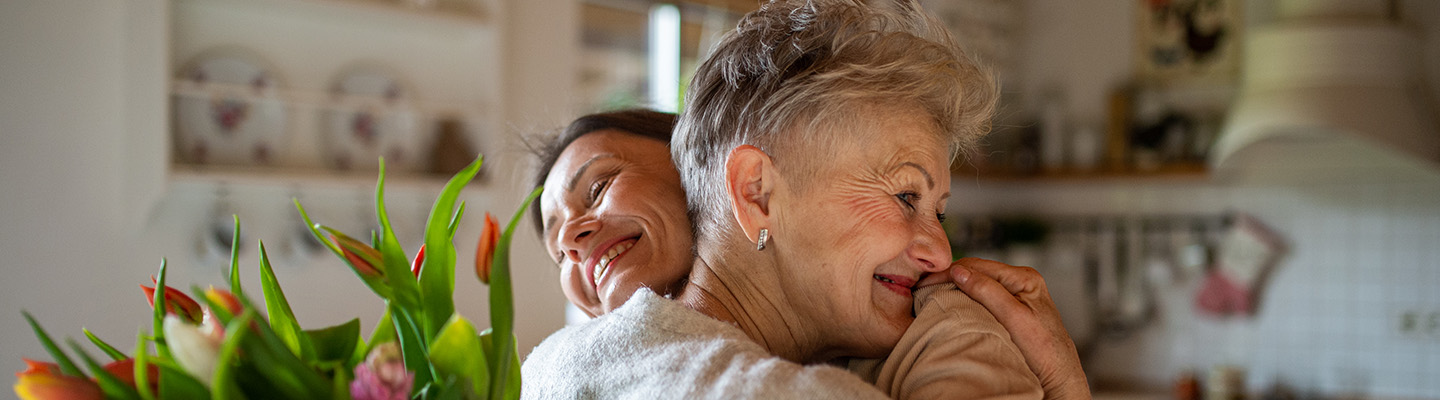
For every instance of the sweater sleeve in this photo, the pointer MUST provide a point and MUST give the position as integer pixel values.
(955, 349)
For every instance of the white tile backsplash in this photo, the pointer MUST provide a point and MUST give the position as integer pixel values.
(1329, 320)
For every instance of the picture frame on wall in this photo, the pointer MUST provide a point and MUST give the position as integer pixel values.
(1188, 41)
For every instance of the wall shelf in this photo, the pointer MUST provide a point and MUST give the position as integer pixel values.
(1174, 173)
(385, 12)
(445, 59)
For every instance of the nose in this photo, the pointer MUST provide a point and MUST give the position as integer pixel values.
(574, 234)
(931, 249)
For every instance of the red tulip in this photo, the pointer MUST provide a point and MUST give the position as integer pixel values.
(125, 371)
(419, 260)
(361, 256)
(485, 250)
(176, 303)
(44, 381)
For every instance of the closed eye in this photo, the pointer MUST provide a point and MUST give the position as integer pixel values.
(597, 189)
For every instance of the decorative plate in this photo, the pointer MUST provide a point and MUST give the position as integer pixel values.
(228, 110)
(369, 118)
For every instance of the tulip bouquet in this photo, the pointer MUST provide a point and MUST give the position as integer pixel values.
(228, 347)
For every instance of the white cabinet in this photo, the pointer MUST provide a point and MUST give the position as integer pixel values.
(441, 63)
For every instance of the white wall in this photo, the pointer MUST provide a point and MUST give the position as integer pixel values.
(73, 247)
(65, 253)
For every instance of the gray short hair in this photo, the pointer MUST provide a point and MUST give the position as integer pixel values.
(794, 68)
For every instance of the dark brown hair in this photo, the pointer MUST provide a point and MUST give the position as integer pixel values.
(647, 123)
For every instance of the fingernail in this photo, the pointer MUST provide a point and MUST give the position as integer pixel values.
(962, 275)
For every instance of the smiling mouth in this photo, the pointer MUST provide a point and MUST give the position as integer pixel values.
(615, 252)
(898, 284)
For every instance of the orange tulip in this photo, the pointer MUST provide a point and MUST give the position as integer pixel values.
(225, 300)
(44, 381)
(419, 260)
(176, 303)
(485, 250)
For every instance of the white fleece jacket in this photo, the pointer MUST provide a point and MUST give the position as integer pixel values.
(656, 348)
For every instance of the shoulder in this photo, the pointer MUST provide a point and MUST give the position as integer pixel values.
(656, 348)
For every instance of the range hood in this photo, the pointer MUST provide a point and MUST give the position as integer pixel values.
(1331, 93)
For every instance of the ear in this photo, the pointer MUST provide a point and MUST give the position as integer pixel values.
(750, 179)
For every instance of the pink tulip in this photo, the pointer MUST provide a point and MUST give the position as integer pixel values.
(382, 376)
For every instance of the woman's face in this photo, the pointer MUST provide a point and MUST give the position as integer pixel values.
(855, 237)
(615, 219)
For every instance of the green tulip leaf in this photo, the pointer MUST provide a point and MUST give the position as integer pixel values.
(280, 368)
(336, 343)
(405, 291)
(176, 384)
(413, 347)
(110, 384)
(235, 259)
(159, 313)
(437, 277)
(315, 230)
(375, 283)
(455, 222)
(282, 319)
(227, 361)
(502, 309)
(142, 366)
(340, 383)
(384, 333)
(457, 353)
(511, 389)
(115, 354)
(66, 365)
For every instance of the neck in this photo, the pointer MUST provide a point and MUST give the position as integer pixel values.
(741, 288)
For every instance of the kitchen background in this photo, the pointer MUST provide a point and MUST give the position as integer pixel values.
(1103, 171)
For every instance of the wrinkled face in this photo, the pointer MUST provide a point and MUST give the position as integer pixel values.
(855, 237)
(615, 219)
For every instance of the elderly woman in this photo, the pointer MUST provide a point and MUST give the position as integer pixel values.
(814, 151)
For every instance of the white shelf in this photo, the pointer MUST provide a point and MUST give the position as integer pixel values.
(303, 178)
(445, 57)
(365, 11)
(315, 100)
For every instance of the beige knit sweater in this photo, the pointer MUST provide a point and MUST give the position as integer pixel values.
(954, 349)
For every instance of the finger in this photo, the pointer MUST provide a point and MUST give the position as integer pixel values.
(1015, 279)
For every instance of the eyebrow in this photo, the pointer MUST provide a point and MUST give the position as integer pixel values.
(928, 180)
(579, 172)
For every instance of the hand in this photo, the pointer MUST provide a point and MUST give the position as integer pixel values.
(1019, 300)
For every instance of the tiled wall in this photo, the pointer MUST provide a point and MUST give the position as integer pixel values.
(1364, 259)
